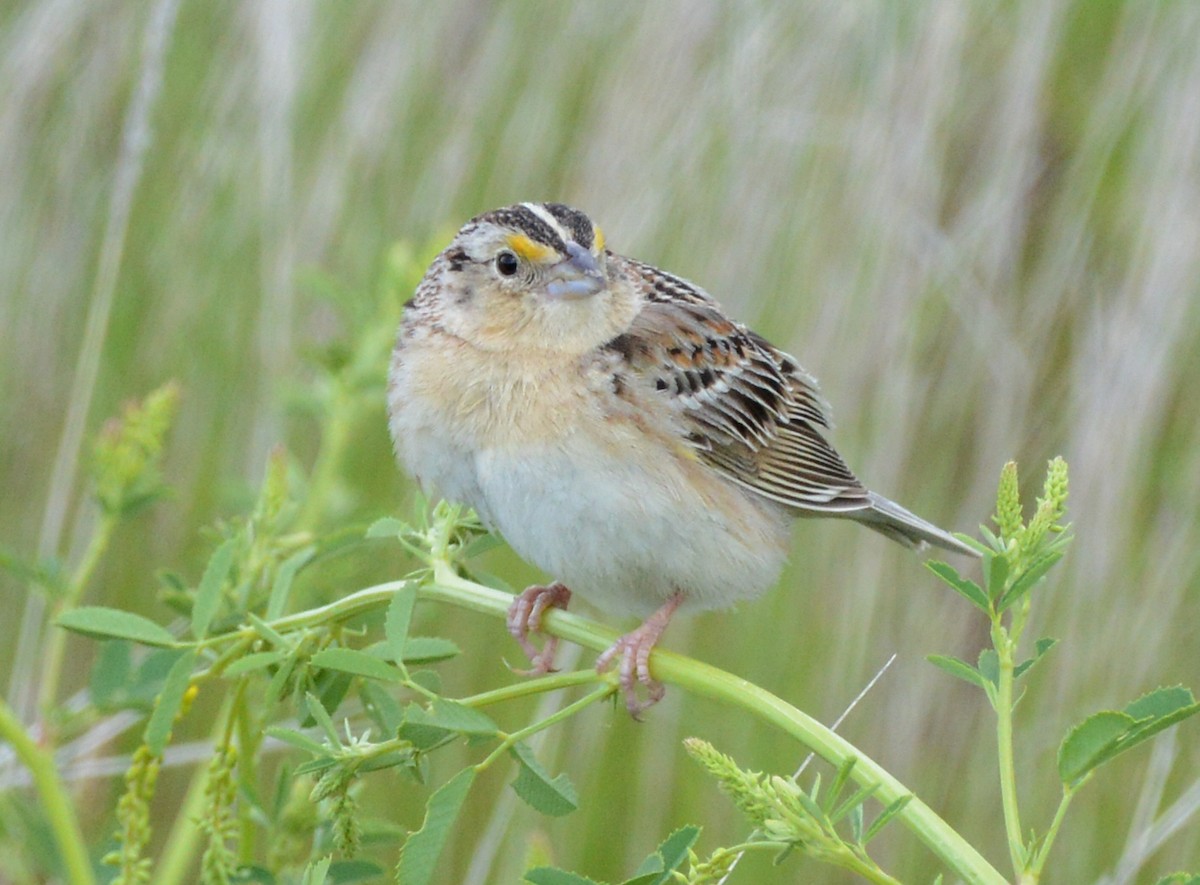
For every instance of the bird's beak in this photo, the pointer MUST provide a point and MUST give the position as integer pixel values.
(577, 276)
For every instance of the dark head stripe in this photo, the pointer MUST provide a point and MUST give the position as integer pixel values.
(522, 219)
(575, 221)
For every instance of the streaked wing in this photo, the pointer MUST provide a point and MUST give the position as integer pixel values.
(747, 409)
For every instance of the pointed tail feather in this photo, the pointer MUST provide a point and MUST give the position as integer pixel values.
(889, 518)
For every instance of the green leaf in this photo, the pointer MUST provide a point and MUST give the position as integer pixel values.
(114, 623)
(266, 631)
(281, 587)
(254, 661)
(297, 739)
(109, 681)
(208, 594)
(553, 796)
(1036, 571)
(456, 717)
(989, 666)
(169, 703)
(321, 717)
(1179, 879)
(399, 617)
(674, 850)
(428, 650)
(387, 527)
(419, 856)
(553, 876)
(884, 818)
(356, 663)
(316, 871)
(418, 728)
(1043, 646)
(382, 707)
(345, 872)
(965, 587)
(1109, 733)
(995, 573)
(959, 668)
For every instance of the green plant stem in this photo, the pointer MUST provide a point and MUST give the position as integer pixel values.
(535, 686)
(60, 813)
(56, 639)
(558, 716)
(692, 676)
(707, 681)
(1039, 860)
(1004, 747)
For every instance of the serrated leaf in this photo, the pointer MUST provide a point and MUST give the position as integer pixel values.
(958, 668)
(254, 661)
(208, 593)
(419, 856)
(1160, 703)
(1036, 571)
(995, 573)
(112, 623)
(989, 666)
(281, 587)
(429, 649)
(459, 718)
(1042, 646)
(387, 527)
(169, 703)
(418, 728)
(397, 621)
(356, 663)
(297, 739)
(1106, 734)
(965, 587)
(553, 796)
(316, 871)
(555, 876)
(644, 879)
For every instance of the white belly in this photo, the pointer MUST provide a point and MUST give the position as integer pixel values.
(627, 535)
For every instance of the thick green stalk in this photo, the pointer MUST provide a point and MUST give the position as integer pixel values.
(1004, 748)
(60, 813)
(56, 638)
(701, 679)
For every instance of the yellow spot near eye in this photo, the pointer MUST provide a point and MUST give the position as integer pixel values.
(531, 250)
(599, 244)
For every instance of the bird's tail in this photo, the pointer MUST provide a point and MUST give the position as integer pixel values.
(889, 518)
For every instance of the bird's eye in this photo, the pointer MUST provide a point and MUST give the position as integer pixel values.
(506, 264)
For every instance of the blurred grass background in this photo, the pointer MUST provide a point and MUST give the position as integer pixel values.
(977, 224)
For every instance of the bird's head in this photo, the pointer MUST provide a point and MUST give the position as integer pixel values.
(532, 275)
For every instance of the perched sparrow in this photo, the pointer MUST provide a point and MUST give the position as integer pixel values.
(617, 428)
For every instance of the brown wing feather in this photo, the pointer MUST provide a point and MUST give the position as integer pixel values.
(745, 407)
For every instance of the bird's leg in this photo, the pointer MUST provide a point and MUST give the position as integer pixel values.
(525, 616)
(634, 648)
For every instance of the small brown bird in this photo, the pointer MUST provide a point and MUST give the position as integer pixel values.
(617, 428)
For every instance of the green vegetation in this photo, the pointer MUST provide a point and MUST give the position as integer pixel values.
(976, 225)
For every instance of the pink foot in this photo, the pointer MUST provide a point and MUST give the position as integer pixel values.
(525, 616)
(634, 649)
